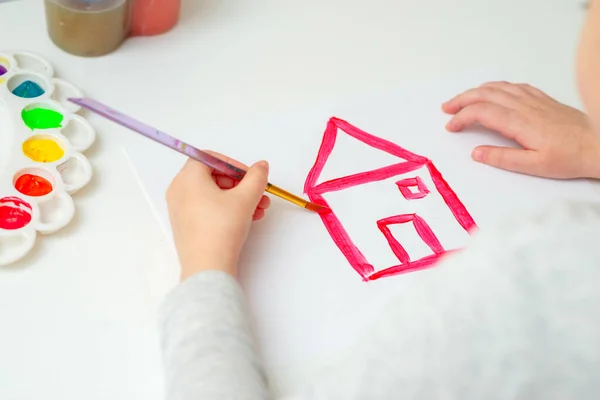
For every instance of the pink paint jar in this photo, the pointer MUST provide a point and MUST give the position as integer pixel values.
(153, 17)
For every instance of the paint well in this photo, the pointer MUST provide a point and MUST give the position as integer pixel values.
(43, 150)
(42, 118)
(14, 213)
(33, 185)
(28, 90)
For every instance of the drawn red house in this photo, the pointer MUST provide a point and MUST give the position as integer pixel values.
(410, 189)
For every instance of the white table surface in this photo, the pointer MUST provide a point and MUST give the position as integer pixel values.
(77, 316)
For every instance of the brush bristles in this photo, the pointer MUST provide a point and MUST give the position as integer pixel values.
(317, 208)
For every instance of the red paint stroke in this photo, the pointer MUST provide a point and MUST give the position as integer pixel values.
(328, 143)
(418, 265)
(375, 175)
(404, 186)
(396, 247)
(423, 230)
(413, 266)
(33, 185)
(410, 162)
(340, 237)
(451, 199)
(14, 213)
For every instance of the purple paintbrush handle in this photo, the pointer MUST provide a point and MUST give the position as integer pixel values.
(161, 137)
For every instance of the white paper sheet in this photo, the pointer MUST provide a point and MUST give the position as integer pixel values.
(306, 299)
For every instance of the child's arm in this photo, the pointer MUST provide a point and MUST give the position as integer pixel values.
(208, 347)
(557, 141)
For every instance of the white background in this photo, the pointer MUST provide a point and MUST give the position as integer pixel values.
(77, 316)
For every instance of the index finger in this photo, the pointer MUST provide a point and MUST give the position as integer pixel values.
(491, 116)
(227, 159)
(482, 94)
(201, 167)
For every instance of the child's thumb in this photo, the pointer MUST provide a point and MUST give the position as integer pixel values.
(254, 183)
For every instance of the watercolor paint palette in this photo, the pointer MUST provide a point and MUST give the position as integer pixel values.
(41, 144)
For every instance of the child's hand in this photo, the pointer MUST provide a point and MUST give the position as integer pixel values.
(558, 141)
(211, 214)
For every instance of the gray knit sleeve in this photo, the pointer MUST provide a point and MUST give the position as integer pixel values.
(208, 347)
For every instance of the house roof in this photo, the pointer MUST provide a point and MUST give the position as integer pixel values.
(408, 160)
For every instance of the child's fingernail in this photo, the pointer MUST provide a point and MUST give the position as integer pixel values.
(477, 155)
(263, 164)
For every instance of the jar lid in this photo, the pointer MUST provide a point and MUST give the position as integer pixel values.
(88, 5)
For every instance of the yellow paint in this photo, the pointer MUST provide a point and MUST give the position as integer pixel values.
(43, 150)
(4, 62)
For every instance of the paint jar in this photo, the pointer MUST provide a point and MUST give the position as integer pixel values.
(153, 17)
(88, 28)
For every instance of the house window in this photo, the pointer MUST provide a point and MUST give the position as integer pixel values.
(412, 188)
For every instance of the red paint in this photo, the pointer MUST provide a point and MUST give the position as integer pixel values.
(342, 240)
(418, 265)
(33, 185)
(375, 175)
(328, 143)
(14, 213)
(324, 210)
(424, 232)
(404, 186)
(409, 162)
(451, 199)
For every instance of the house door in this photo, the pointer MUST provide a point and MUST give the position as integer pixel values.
(411, 189)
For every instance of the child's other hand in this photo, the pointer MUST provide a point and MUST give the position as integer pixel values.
(211, 214)
(557, 140)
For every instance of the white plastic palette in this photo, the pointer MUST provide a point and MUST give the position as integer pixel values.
(25, 212)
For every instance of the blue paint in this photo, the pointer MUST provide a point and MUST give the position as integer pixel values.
(28, 90)
(3, 70)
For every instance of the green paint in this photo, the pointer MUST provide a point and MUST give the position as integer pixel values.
(42, 118)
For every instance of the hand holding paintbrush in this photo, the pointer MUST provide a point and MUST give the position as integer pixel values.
(210, 214)
(190, 151)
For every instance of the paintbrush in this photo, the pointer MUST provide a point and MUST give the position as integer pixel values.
(190, 151)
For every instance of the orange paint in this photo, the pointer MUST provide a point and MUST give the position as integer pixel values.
(33, 185)
(153, 17)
